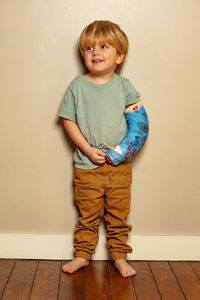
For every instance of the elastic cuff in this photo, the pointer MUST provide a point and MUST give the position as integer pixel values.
(118, 255)
(83, 254)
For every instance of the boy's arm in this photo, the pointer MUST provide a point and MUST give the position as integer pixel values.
(138, 123)
(95, 155)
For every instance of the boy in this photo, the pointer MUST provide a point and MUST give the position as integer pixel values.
(93, 112)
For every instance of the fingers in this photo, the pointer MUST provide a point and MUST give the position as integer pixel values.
(100, 162)
(100, 158)
(97, 156)
(109, 160)
(104, 156)
(101, 153)
(110, 147)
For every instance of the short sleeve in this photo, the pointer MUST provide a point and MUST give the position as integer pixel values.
(67, 109)
(132, 95)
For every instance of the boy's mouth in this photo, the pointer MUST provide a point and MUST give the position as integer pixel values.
(96, 61)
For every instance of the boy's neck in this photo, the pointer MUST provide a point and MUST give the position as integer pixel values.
(99, 79)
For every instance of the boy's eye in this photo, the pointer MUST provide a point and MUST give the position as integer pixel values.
(89, 48)
(104, 46)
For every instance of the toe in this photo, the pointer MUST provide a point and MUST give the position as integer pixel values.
(63, 268)
(126, 274)
(68, 269)
(71, 270)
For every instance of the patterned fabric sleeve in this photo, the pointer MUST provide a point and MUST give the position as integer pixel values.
(138, 123)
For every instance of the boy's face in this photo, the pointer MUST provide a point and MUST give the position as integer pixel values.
(102, 58)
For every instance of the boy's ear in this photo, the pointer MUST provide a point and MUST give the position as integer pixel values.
(120, 58)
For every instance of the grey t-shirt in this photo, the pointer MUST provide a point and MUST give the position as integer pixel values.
(98, 109)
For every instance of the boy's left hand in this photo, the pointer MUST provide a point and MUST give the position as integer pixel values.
(107, 157)
(110, 147)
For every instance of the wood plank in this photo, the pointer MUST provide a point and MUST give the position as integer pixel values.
(166, 281)
(46, 282)
(196, 267)
(145, 286)
(187, 279)
(97, 281)
(72, 285)
(6, 266)
(100, 280)
(21, 280)
(121, 288)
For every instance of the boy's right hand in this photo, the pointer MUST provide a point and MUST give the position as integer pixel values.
(96, 156)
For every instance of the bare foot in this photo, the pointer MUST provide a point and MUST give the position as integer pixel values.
(75, 265)
(124, 268)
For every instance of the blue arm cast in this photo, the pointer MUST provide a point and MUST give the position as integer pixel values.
(137, 134)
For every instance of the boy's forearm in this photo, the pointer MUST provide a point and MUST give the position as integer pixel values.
(94, 154)
(138, 123)
(76, 136)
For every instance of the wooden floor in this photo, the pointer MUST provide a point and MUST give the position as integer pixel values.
(44, 280)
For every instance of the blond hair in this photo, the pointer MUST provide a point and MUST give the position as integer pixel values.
(104, 31)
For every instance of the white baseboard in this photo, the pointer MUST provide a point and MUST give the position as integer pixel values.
(60, 247)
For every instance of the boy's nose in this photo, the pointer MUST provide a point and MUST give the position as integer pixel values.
(95, 51)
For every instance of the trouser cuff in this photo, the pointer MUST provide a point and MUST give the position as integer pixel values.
(83, 254)
(118, 255)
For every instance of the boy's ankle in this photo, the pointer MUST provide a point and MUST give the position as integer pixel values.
(83, 254)
(118, 255)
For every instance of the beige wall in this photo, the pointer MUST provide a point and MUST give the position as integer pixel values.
(38, 58)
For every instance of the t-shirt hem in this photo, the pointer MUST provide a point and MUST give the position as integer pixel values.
(86, 167)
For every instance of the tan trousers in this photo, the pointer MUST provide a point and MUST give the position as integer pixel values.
(104, 191)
